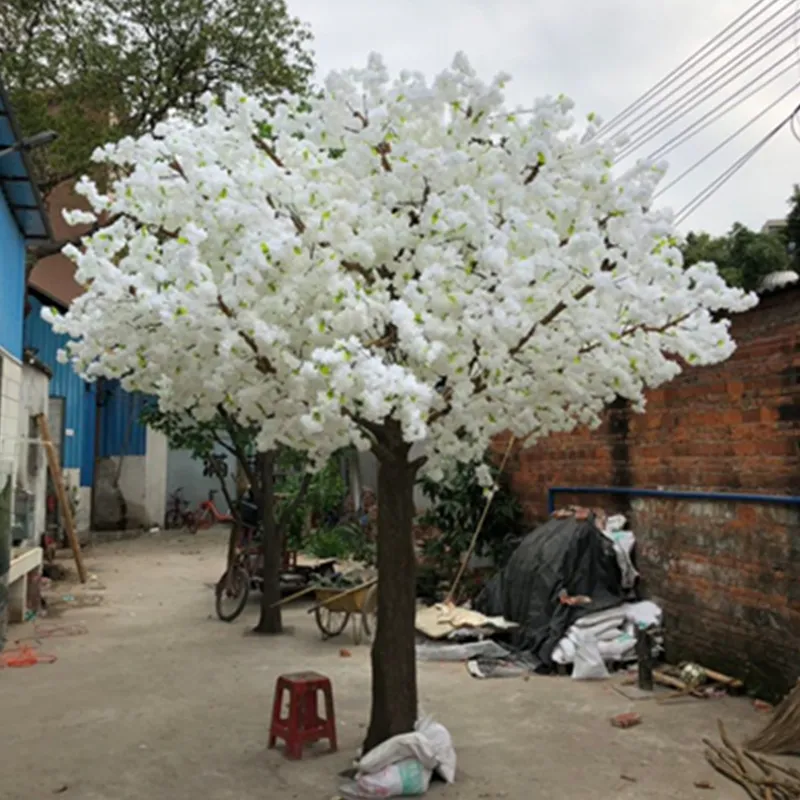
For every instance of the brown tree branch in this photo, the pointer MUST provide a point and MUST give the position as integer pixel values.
(262, 362)
(354, 266)
(558, 309)
(265, 148)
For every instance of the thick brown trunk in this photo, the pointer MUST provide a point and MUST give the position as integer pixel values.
(270, 620)
(394, 668)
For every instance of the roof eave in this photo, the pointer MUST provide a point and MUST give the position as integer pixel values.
(26, 162)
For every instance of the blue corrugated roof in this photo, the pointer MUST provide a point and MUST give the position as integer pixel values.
(16, 179)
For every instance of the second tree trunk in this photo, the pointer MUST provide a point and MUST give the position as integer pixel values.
(270, 620)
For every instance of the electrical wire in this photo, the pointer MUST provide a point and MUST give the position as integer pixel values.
(703, 122)
(652, 132)
(793, 123)
(728, 140)
(732, 63)
(712, 188)
(687, 63)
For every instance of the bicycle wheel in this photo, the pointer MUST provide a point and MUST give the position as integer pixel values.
(172, 519)
(232, 592)
(331, 623)
(203, 521)
(369, 614)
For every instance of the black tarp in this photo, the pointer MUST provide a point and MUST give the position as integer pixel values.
(568, 554)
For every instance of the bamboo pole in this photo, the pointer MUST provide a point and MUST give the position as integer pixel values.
(479, 527)
(283, 601)
(61, 493)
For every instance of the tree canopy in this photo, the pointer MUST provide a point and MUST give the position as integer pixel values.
(388, 262)
(744, 257)
(793, 227)
(99, 70)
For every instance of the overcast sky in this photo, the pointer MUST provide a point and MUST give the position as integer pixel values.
(602, 53)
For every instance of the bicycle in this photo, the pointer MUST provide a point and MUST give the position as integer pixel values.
(233, 587)
(178, 514)
(207, 515)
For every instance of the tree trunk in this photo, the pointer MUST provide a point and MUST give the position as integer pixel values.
(394, 668)
(270, 620)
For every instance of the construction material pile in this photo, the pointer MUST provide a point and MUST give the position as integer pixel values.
(570, 586)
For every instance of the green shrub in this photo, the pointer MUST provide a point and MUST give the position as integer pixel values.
(342, 541)
(457, 503)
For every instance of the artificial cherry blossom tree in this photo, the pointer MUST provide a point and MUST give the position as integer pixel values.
(391, 262)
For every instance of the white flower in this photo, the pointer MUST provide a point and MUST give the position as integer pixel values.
(394, 249)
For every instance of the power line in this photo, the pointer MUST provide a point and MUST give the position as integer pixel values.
(682, 110)
(687, 63)
(729, 139)
(653, 109)
(690, 131)
(725, 176)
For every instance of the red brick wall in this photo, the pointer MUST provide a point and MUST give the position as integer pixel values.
(728, 574)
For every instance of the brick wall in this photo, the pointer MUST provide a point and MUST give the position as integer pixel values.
(728, 574)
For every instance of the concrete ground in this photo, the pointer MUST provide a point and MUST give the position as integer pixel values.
(157, 699)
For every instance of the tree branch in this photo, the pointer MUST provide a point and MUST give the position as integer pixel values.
(265, 148)
(288, 511)
(558, 309)
(232, 427)
(354, 266)
(262, 362)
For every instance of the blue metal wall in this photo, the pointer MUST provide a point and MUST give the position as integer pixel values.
(89, 431)
(65, 383)
(12, 282)
(121, 433)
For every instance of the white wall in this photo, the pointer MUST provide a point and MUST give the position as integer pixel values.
(31, 458)
(10, 382)
(138, 501)
(10, 391)
(156, 476)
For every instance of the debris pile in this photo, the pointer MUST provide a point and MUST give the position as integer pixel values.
(760, 778)
(571, 587)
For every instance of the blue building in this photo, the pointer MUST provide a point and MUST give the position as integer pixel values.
(102, 446)
(23, 221)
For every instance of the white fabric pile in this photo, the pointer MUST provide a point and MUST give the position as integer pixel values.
(614, 631)
(623, 541)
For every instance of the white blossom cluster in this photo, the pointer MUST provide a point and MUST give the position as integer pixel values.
(392, 249)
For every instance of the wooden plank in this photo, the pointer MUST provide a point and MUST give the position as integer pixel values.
(61, 493)
(719, 677)
(675, 683)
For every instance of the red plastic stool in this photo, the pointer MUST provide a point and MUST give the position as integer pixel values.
(303, 725)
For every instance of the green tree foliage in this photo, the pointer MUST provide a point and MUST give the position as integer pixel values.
(456, 505)
(99, 70)
(744, 257)
(793, 227)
